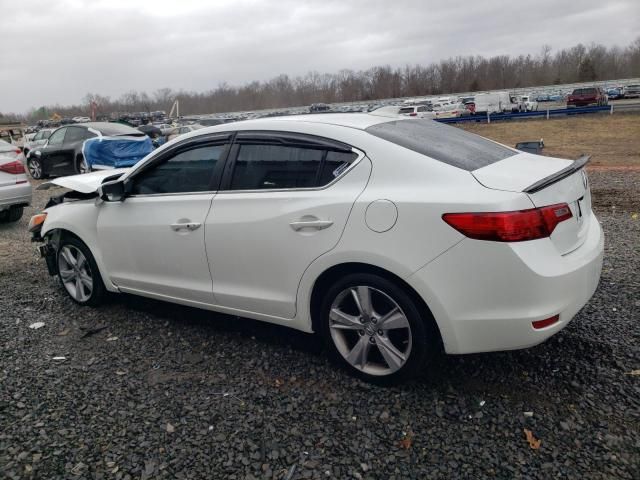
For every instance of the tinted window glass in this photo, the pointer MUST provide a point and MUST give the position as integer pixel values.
(275, 166)
(446, 144)
(46, 134)
(334, 165)
(75, 134)
(57, 137)
(188, 171)
(406, 110)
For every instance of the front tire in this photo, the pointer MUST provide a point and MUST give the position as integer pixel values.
(374, 329)
(78, 272)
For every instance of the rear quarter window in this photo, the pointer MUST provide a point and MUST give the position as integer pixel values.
(443, 143)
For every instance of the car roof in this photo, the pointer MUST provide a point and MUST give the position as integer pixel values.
(108, 128)
(359, 121)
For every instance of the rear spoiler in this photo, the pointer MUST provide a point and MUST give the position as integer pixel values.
(556, 177)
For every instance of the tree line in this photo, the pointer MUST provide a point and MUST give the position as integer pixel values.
(580, 63)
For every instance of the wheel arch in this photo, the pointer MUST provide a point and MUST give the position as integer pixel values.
(62, 230)
(334, 272)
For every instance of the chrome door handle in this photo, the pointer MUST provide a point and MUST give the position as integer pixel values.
(317, 224)
(185, 226)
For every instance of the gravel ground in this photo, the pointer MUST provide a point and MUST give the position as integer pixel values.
(165, 391)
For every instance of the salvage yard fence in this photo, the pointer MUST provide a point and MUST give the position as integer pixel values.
(488, 118)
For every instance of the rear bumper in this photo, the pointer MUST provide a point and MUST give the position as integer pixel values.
(484, 295)
(15, 195)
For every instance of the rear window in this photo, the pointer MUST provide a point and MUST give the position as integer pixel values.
(441, 142)
(584, 91)
(406, 110)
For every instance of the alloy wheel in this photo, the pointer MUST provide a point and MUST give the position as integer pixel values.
(370, 330)
(35, 169)
(75, 273)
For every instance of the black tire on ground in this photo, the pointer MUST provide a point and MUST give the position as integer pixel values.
(14, 214)
(424, 334)
(34, 166)
(98, 292)
(81, 165)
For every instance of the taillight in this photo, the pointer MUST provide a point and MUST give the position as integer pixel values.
(413, 114)
(517, 226)
(14, 168)
(18, 151)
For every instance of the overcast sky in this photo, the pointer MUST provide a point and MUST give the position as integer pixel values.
(57, 51)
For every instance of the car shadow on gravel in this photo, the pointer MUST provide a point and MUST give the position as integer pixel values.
(517, 374)
(214, 322)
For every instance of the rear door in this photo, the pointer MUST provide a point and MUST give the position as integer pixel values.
(286, 200)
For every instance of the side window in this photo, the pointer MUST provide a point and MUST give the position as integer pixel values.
(76, 134)
(188, 171)
(266, 166)
(57, 137)
(263, 166)
(335, 163)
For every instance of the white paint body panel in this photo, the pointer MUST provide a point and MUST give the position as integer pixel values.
(143, 253)
(257, 258)
(246, 260)
(83, 183)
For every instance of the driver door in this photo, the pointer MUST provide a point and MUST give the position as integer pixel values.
(152, 243)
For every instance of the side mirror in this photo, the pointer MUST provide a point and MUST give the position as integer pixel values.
(112, 191)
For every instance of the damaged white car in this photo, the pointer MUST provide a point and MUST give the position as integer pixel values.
(392, 238)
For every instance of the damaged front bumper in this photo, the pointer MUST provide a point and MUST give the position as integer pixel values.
(48, 252)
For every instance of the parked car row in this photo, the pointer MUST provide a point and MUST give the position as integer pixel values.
(62, 154)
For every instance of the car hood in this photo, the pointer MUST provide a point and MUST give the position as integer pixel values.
(83, 183)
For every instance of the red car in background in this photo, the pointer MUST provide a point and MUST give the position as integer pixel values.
(582, 97)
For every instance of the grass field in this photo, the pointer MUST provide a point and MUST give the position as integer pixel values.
(611, 140)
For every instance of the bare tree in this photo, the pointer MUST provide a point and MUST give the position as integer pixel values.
(459, 74)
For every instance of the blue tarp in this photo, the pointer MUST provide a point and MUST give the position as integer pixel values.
(116, 152)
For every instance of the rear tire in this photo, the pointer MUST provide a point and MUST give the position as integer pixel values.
(374, 329)
(78, 272)
(34, 166)
(13, 214)
(81, 165)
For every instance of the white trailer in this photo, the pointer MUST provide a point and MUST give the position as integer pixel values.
(495, 102)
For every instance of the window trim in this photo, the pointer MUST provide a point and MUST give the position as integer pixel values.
(223, 138)
(284, 138)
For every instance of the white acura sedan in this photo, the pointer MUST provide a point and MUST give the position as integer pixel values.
(390, 238)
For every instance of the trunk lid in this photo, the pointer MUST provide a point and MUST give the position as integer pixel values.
(546, 181)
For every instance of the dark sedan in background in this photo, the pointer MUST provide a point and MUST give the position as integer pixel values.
(62, 154)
